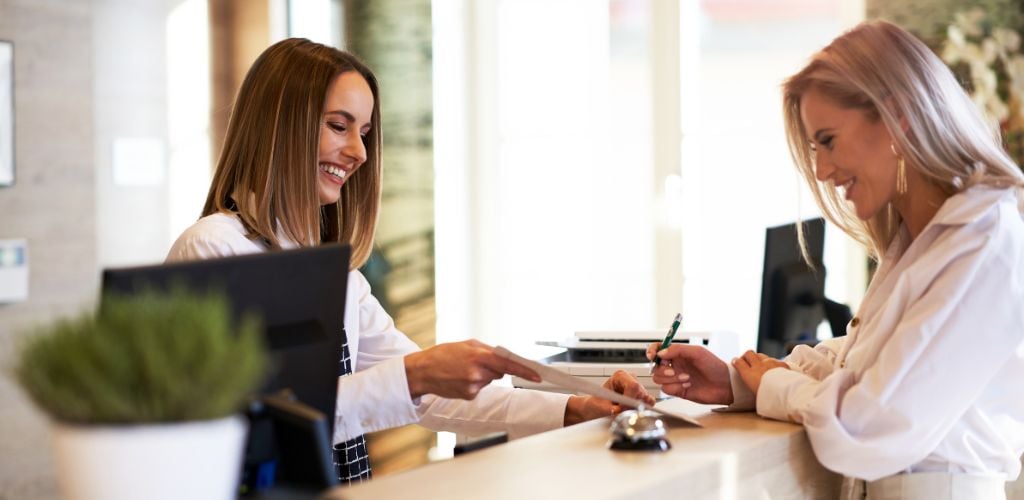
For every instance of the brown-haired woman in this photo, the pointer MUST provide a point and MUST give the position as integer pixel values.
(300, 166)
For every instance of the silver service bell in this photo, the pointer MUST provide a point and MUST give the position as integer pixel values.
(638, 430)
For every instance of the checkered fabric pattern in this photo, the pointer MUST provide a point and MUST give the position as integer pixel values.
(351, 461)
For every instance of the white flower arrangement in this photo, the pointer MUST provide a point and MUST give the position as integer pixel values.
(996, 66)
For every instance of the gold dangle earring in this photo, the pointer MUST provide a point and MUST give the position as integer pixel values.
(901, 171)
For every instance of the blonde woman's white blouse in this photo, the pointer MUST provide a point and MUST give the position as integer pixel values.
(930, 376)
(376, 396)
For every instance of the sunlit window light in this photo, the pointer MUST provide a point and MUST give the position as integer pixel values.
(188, 113)
(317, 20)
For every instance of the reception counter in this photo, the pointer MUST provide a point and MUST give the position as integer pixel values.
(735, 455)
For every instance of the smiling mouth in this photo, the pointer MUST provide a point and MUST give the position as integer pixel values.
(335, 172)
(847, 187)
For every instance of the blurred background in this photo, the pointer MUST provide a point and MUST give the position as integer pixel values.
(550, 165)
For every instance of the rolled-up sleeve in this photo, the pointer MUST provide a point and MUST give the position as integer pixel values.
(899, 408)
(377, 397)
(373, 400)
(815, 362)
(819, 361)
(519, 412)
(742, 396)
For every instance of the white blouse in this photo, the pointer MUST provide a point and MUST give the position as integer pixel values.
(376, 396)
(930, 376)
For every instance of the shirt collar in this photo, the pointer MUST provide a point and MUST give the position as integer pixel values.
(969, 205)
(960, 209)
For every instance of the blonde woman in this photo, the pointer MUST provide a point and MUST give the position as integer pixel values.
(922, 398)
(301, 165)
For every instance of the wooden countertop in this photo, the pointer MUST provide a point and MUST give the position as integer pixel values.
(735, 455)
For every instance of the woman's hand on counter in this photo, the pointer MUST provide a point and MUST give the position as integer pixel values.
(752, 366)
(691, 372)
(582, 408)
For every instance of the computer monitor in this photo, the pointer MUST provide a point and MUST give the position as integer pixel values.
(289, 444)
(299, 296)
(792, 292)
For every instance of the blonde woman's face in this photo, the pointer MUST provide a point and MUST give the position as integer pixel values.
(347, 112)
(851, 151)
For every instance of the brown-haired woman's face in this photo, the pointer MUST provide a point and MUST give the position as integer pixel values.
(347, 113)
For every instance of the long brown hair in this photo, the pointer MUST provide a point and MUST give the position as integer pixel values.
(267, 171)
(890, 75)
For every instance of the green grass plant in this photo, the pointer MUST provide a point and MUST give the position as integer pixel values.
(149, 357)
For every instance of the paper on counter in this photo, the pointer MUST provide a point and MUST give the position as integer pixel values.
(564, 380)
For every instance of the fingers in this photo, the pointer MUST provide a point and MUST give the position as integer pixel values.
(752, 358)
(762, 362)
(750, 372)
(617, 382)
(627, 384)
(669, 375)
(459, 370)
(744, 367)
(747, 360)
(637, 391)
(771, 363)
(684, 353)
(652, 349)
(760, 357)
(485, 357)
(602, 408)
(676, 389)
(741, 364)
(475, 380)
(472, 390)
(512, 368)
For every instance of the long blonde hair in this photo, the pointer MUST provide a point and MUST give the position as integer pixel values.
(889, 74)
(268, 166)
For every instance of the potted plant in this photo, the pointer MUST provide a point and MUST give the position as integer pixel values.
(145, 394)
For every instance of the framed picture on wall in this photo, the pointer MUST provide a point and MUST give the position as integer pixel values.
(6, 113)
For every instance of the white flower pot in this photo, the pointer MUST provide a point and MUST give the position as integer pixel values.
(190, 460)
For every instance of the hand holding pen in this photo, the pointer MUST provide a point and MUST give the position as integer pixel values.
(668, 340)
(692, 372)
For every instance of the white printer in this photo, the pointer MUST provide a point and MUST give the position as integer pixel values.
(595, 355)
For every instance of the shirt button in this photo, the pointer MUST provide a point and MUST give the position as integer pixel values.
(854, 322)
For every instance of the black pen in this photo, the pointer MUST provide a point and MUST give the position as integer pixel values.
(668, 340)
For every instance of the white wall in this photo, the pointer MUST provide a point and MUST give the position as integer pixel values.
(151, 89)
(738, 177)
(130, 96)
(52, 205)
(86, 73)
(545, 187)
(52, 202)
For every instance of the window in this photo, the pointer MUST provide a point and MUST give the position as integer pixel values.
(601, 165)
